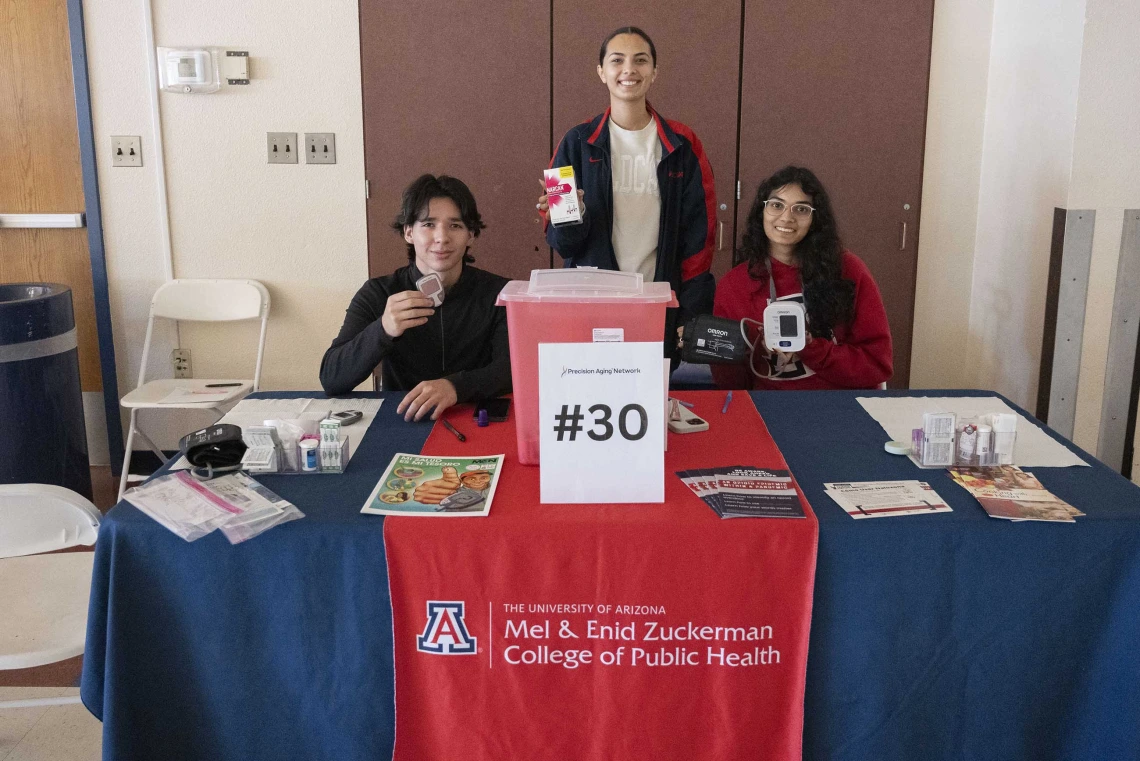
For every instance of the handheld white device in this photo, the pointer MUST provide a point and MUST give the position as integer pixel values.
(784, 326)
(431, 286)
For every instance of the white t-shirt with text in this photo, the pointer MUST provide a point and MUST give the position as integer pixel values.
(634, 156)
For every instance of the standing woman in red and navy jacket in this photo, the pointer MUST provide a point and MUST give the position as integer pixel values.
(646, 185)
(793, 252)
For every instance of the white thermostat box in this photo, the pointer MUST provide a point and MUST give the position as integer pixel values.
(188, 70)
(784, 326)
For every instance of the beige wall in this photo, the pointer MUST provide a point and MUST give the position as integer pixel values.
(299, 229)
(956, 116)
(1106, 177)
(1031, 103)
(1000, 126)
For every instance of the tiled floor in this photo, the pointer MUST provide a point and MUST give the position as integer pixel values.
(55, 733)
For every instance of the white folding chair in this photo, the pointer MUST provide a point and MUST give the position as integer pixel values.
(44, 597)
(196, 301)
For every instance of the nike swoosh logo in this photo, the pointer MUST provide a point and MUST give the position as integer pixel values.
(594, 160)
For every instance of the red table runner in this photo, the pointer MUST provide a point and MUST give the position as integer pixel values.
(654, 631)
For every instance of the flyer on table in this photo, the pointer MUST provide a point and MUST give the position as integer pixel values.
(436, 486)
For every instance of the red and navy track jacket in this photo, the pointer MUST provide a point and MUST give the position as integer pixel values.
(688, 217)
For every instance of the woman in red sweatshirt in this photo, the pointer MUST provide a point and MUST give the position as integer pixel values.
(793, 253)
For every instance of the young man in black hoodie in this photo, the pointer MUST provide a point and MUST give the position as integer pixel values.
(441, 356)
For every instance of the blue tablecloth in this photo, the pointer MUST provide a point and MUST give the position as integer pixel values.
(277, 648)
(951, 636)
(956, 635)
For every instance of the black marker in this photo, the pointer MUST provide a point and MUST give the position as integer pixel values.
(222, 385)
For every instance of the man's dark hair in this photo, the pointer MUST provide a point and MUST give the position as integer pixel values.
(417, 199)
(628, 30)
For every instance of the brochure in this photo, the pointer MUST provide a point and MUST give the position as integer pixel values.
(745, 491)
(884, 499)
(758, 492)
(436, 486)
(1006, 491)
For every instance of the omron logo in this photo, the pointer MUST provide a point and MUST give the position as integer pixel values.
(445, 632)
(716, 332)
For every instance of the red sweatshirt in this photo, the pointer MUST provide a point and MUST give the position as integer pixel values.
(859, 357)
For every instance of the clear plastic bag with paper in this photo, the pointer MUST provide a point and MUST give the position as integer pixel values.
(190, 508)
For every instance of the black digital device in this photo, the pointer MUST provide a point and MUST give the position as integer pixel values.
(496, 409)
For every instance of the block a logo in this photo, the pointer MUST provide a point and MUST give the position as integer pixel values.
(445, 632)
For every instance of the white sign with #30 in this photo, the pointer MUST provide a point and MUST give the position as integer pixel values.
(601, 413)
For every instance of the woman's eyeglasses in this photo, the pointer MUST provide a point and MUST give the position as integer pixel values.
(775, 207)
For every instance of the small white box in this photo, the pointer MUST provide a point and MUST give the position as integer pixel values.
(938, 431)
(562, 196)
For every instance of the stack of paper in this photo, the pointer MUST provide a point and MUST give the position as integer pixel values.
(744, 491)
(1006, 491)
(879, 499)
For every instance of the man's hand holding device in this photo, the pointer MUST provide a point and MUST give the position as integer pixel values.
(405, 310)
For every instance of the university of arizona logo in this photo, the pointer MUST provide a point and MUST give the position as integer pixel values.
(445, 632)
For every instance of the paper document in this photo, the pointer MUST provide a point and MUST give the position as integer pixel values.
(251, 412)
(257, 411)
(195, 395)
(745, 492)
(1006, 491)
(880, 499)
(899, 415)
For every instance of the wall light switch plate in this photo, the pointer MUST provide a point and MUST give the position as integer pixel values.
(320, 148)
(126, 150)
(282, 147)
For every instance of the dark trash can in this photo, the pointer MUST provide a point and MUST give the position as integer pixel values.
(42, 435)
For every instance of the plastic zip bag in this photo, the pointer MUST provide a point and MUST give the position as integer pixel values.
(236, 503)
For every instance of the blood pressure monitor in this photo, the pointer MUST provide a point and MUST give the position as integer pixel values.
(784, 326)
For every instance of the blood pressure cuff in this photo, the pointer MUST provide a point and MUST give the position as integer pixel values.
(218, 446)
(714, 340)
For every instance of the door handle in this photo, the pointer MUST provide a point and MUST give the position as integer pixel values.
(902, 243)
(41, 220)
(720, 236)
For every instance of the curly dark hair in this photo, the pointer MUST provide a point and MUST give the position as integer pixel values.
(829, 298)
(418, 197)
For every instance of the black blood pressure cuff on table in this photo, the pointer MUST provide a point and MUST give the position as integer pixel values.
(218, 448)
(714, 340)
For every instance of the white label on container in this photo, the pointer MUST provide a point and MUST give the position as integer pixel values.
(609, 335)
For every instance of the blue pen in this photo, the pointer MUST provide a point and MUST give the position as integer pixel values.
(727, 399)
(688, 405)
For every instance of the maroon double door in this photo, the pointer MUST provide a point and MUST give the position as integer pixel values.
(484, 90)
